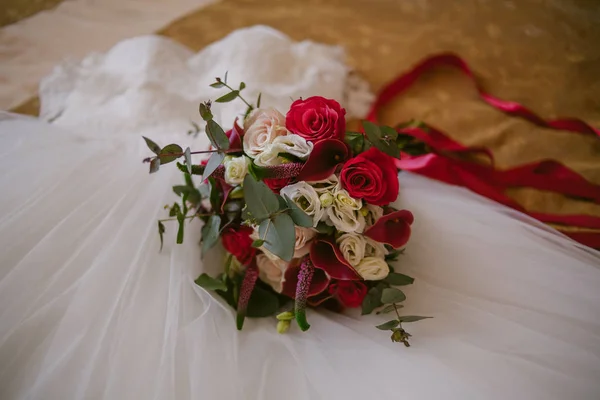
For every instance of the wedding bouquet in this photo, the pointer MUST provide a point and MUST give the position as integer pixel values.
(302, 208)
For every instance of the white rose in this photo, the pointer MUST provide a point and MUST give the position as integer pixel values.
(236, 168)
(306, 198)
(271, 271)
(372, 214)
(352, 247)
(261, 128)
(328, 185)
(293, 144)
(375, 249)
(373, 268)
(345, 213)
(304, 237)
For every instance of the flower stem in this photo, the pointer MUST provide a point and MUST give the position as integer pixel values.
(239, 95)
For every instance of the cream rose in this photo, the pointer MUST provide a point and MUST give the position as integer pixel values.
(236, 168)
(271, 271)
(345, 213)
(261, 128)
(375, 249)
(372, 268)
(304, 236)
(352, 247)
(306, 198)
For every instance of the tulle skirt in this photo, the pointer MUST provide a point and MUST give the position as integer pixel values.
(90, 309)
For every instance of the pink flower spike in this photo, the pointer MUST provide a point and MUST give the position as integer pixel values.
(323, 160)
(245, 292)
(319, 283)
(326, 255)
(393, 228)
(305, 276)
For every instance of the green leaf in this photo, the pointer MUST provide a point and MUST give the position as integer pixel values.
(388, 325)
(175, 210)
(226, 98)
(161, 231)
(210, 233)
(205, 112)
(217, 85)
(213, 163)
(258, 100)
(371, 301)
(279, 235)
(225, 77)
(215, 195)
(216, 135)
(399, 279)
(392, 295)
(374, 135)
(209, 283)
(170, 153)
(260, 200)
(263, 303)
(180, 189)
(299, 217)
(412, 318)
(388, 131)
(325, 229)
(152, 146)
(389, 308)
(154, 165)
(356, 141)
(257, 243)
(188, 159)
(196, 169)
(181, 221)
(259, 173)
(242, 86)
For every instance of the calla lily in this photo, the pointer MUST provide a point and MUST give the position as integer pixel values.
(323, 160)
(326, 255)
(235, 136)
(392, 228)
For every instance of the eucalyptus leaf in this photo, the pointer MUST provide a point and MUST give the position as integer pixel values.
(170, 153)
(397, 279)
(226, 98)
(325, 229)
(196, 169)
(257, 243)
(180, 230)
(371, 301)
(388, 325)
(209, 283)
(215, 194)
(412, 318)
(175, 210)
(161, 231)
(389, 308)
(217, 85)
(299, 217)
(392, 295)
(279, 234)
(356, 141)
(372, 131)
(213, 163)
(188, 159)
(216, 135)
(374, 135)
(258, 100)
(260, 200)
(152, 146)
(388, 131)
(154, 165)
(205, 112)
(259, 173)
(262, 303)
(242, 86)
(210, 233)
(225, 77)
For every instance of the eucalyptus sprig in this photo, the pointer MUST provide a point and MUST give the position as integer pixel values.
(234, 93)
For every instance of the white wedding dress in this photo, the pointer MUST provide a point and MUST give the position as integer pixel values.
(89, 308)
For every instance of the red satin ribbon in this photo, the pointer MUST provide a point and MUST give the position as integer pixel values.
(485, 180)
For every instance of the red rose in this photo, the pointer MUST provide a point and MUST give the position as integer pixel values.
(237, 241)
(349, 293)
(371, 176)
(276, 184)
(316, 118)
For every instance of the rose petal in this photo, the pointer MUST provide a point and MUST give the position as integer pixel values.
(323, 160)
(326, 255)
(392, 228)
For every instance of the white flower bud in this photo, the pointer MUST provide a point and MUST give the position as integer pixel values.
(373, 268)
(236, 168)
(326, 199)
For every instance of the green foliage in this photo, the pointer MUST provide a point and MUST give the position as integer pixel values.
(161, 231)
(388, 325)
(188, 159)
(260, 200)
(207, 282)
(213, 163)
(299, 217)
(412, 318)
(392, 295)
(210, 233)
(226, 98)
(371, 301)
(170, 153)
(399, 279)
(279, 235)
(383, 140)
(154, 165)
(205, 112)
(356, 141)
(152, 146)
(196, 169)
(216, 135)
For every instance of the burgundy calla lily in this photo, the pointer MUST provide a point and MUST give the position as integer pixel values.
(326, 255)
(392, 228)
(318, 284)
(323, 160)
(235, 136)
